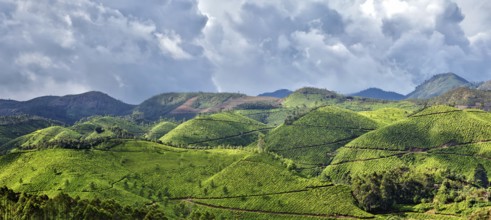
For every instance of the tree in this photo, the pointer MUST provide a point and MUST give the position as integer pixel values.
(481, 176)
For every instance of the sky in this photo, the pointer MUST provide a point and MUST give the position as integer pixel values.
(133, 50)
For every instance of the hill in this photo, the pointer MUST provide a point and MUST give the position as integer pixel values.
(427, 140)
(465, 98)
(67, 109)
(376, 93)
(311, 139)
(311, 97)
(12, 127)
(188, 105)
(214, 130)
(485, 86)
(438, 85)
(84, 134)
(281, 93)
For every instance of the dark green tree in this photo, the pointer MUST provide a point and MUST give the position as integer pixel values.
(481, 176)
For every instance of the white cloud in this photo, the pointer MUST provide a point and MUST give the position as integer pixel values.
(170, 44)
(133, 50)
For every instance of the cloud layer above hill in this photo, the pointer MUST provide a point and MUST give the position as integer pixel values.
(135, 49)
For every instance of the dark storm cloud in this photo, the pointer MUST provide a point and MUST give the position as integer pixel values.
(133, 49)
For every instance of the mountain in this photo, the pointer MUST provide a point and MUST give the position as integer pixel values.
(376, 93)
(464, 97)
(188, 105)
(68, 109)
(282, 93)
(438, 85)
(485, 86)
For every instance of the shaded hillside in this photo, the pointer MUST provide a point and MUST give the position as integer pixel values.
(376, 93)
(84, 134)
(68, 109)
(187, 105)
(465, 98)
(281, 93)
(440, 138)
(12, 127)
(312, 138)
(215, 130)
(438, 85)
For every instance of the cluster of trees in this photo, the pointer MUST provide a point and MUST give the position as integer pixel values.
(379, 192)
(15, 205)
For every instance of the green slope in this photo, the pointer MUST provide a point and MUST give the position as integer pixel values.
(312, 138)
(426, 141)
(311, 97)
(12, 127)
(159, 130)
(214, 130)
(225, 182)
(386, 116)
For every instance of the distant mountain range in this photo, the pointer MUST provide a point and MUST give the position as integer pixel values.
(71, 108)
(282, 93)
(376, 93)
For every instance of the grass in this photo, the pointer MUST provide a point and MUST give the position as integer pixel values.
(214, 130)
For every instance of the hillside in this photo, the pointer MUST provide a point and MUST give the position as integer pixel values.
(84, 134)
(159, 129)
(67, 109)
(485, 86)
(227, 184)
(281, 93)
(438, 85)
(465, 98)
(188, 105)
(311, 97)
(376, 93)
(311, 139)
(12, 127)
(214, 130)
(413, 142)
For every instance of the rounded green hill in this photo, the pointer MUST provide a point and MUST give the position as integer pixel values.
(214, 130)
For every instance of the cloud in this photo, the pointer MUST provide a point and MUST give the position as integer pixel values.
(59, 47)
(133, 50)
(344, 45)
